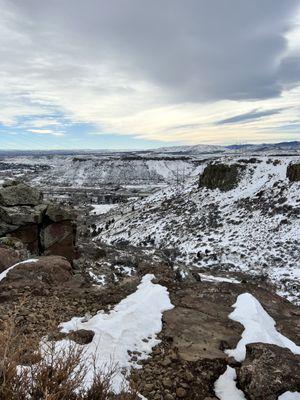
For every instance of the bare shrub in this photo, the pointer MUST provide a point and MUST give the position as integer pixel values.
(53, 375)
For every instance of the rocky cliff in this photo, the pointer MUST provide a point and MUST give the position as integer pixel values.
(44, 228)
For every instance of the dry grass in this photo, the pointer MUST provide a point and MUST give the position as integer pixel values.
(58, 375)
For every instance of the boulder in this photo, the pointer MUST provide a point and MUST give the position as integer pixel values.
(22, 215)
(52, 270)
(44, 228)
(81, 336)
(293, 172)
(19, 195)
(268, 371)
(220, 176)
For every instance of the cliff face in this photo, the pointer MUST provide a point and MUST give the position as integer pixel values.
(44, 228)
(293, 172)
(220, 176)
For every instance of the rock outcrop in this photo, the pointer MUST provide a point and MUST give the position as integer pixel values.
(44, 228)
(220, 176)
(15, 193)
(268, 371)
(293, 172)
(45, 271)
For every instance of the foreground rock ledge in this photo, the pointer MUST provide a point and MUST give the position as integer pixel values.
(52, 270)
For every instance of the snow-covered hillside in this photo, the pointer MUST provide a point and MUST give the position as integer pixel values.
(122, 171)
(195, 149)
(254, 227)
(93, 171)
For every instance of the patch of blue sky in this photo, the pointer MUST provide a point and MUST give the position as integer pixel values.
(57, 132)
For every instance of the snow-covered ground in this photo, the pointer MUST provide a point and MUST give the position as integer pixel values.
(130, 328)
(252, 228)
(99, 209)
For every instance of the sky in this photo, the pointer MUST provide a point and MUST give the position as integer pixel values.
(121, 74)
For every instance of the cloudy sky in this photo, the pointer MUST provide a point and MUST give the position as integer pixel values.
(140, 73)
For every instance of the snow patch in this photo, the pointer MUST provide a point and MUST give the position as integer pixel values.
(99, 209)
(259, 327)
(211, 278)
(225, 386)
(131, 326)
(124, 270)
(290, 396)
(99, 279)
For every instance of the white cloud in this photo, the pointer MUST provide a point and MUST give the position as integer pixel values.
(46, 132)
(145, 71)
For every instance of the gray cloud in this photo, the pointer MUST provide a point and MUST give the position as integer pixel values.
(197, 50)
(290, 127)
(290, 71)
(249, 116)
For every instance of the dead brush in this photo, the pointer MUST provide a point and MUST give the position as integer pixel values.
(28, 372)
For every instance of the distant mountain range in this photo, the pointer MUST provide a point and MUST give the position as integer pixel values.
(195, 149)
(171, 150)
(210, 149)
(295, 145)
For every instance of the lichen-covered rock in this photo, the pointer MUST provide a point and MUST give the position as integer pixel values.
(220, 176)
(12, 243)
(21, 215)
(268, 371)
(293, 172)
(19, 195)
(44, 228)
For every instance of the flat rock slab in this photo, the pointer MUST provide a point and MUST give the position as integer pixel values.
(200, 327)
